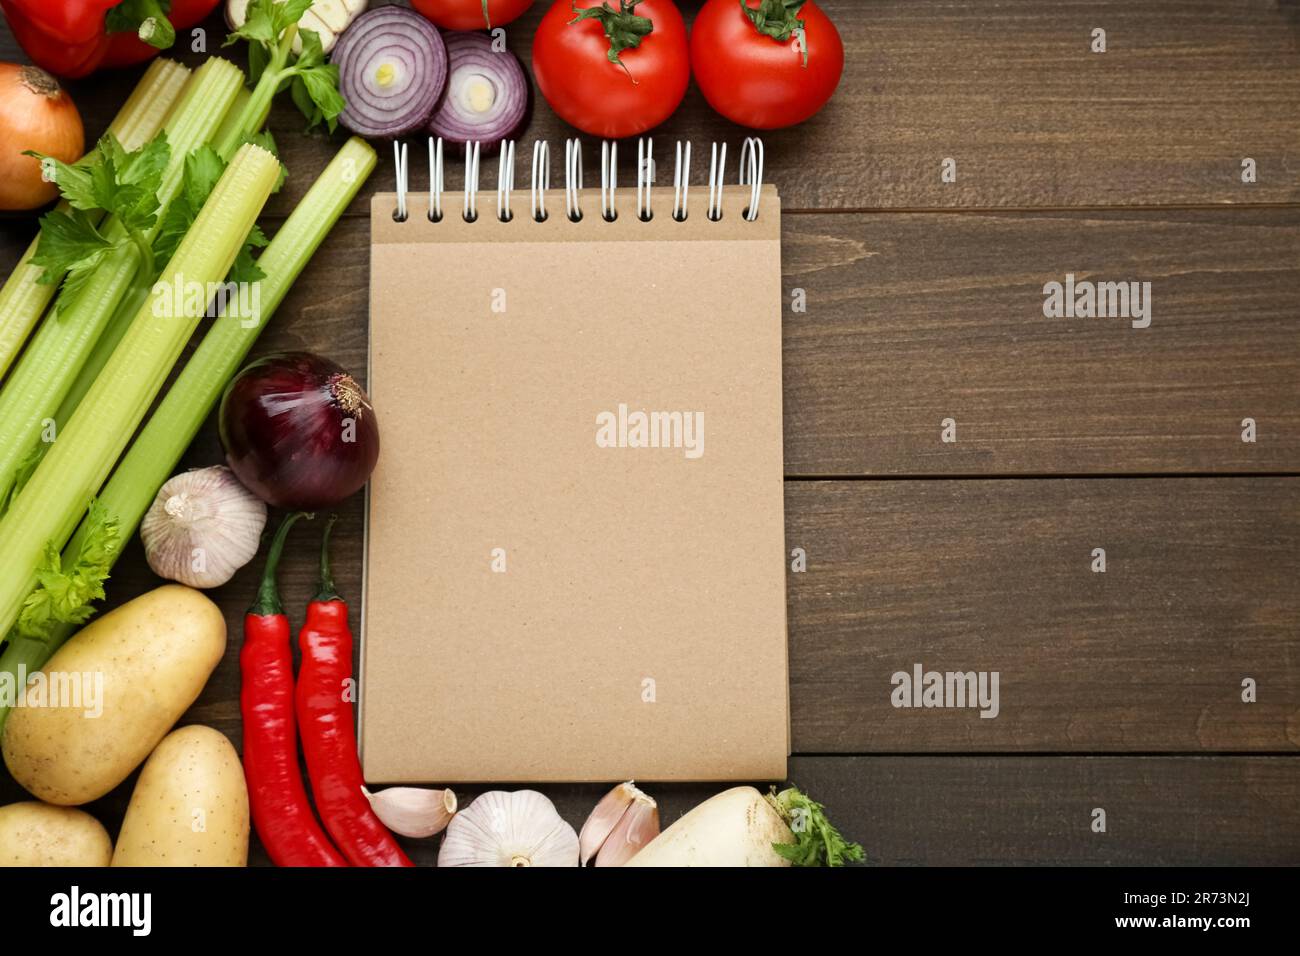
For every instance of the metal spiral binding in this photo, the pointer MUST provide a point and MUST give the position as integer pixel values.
(717, 171)
(399, 160)
(435, 179)
(572, 178)
(541, 179)
(645, 166)
(681, 181)
(505, 180)
(608, 179)
(470, 212)
(751, 175)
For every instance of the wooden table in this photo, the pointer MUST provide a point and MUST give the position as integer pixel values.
(1120, 690)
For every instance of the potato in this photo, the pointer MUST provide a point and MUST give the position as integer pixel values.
(190, 805)
(37, 834)
(150, 659)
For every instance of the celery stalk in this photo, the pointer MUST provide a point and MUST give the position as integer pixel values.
(53, 501)
(23, 299)
(257, 107)
(232, 128)
(169, 431)
(48, 367)
(102, 349)
(126, 310)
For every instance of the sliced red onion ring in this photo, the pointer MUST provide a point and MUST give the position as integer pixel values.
(392, 69)
(487, 93)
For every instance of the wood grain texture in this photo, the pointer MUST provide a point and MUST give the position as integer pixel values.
(913, 319)
(1010, 91)
(960, 811)
(1199, 593)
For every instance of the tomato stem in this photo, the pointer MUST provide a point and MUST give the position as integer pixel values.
(780, 20)
(624, 28)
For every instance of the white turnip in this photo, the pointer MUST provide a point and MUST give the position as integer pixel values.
(742, 827)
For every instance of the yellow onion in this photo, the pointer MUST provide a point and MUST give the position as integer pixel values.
(35, 114)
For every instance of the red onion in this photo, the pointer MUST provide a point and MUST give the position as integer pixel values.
(487, 93)
(392, 69)
(298, 431)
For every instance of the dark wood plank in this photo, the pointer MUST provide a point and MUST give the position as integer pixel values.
(912, 319)
(1199, 593)
(1002, 810)
(1010, 91)
(916, 318)
(1199, 811)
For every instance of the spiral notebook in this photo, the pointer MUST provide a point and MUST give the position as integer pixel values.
(575, 542)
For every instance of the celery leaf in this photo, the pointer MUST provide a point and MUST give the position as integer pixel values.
(245, 268)
(67, 241)
(315, 88)
(71, 179)
(122, 184)
(266, 20)
(64, 595)
(126, 184)
(203, 167)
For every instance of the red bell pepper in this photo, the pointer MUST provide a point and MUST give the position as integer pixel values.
(70, 38)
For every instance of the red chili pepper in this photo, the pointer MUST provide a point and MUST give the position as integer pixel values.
(70, 38)
(278, 801)
(329, 740)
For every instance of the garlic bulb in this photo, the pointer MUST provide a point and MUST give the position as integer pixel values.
(520, 828)
(412, 811)
(625, 820)
(202, 527)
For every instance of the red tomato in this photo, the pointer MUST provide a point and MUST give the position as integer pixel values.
(756, 80)
(574, 73)
(471, 14)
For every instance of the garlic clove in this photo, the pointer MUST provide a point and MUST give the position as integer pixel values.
(600, 824)
(518, 829)
(413, 811)
(639, 825)
(202, 527)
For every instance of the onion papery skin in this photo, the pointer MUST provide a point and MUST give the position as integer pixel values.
(471, 55)
(35, 114)
(284, 424)
(401, 41)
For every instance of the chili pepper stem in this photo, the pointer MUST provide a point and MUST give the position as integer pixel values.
(268, 593)
(327, 591)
